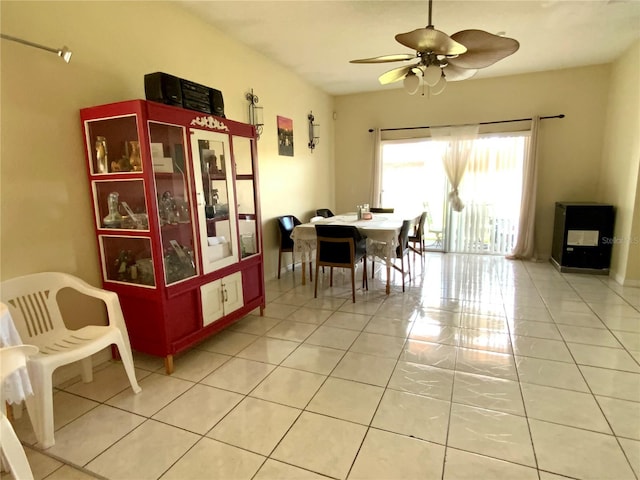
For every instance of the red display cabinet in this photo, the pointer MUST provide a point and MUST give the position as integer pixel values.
(177, 216)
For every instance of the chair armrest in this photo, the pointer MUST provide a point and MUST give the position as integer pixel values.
(111, 300)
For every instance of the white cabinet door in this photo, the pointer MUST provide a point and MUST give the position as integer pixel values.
(232, 292)
(221, 297)
(212, 302)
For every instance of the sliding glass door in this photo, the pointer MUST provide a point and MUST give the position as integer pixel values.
(413, 179)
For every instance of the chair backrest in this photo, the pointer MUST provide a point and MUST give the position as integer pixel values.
(324, 212)
(286, 224)
(340, 244)
(420, 228)
(32, 302)
(403, 238)
(381, 210)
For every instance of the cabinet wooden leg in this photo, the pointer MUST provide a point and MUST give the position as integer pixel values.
(168, 364)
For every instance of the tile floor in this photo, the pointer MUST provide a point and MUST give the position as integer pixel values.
(483, 369)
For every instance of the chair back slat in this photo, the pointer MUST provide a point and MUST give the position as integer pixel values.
(35, 312)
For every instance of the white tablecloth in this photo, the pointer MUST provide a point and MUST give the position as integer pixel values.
(381, 232)
(17, 386)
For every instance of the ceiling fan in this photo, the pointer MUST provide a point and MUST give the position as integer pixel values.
(442, 58)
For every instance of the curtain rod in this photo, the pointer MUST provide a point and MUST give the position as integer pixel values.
(480, 123)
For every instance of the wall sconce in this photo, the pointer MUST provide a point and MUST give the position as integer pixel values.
(63, 52)
(255, 113)
(314, 139)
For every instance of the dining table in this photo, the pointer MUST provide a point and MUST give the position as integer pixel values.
(381, 231)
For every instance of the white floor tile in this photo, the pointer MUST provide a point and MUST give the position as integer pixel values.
(541, 348)
(565, 407)
(483, 431)
(435, 354)
(605, 357)
(365, 368)
(486, 363)
(289, 387)
(347, 400)
(106, 425)
(422, 379)
(623, 415)
(578, 453)
(199, 408)
(268, 350)
(413, 415)
(239, 375)
(389, 456)
(321, 444)
(255, 425)
(313, 358)
(294, 331)
(274, 470)
(157, 391)
(612, 383)
(550, 373)
(348, 320)
(212, 459)
(332, 337)
(488, 392)
(461, 465)
(378, 345)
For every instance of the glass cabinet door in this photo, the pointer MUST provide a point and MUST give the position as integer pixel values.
(245, 191)
(215, 199)
(177, 233)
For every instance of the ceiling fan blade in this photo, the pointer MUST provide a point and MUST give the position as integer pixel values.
(386, 58)
(483, 48)
(431, 40)
(456, 74)
(395, 74)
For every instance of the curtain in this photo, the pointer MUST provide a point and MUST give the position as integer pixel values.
(492, 189)
(460, 141)
(376, 179)
(524, 248)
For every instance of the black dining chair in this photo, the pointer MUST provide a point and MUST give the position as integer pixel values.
(402, 250)
(341, 246)
(286, 224)
(381, 210)
(416, 239)
(324, 212)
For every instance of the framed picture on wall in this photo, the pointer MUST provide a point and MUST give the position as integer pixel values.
(285, 136)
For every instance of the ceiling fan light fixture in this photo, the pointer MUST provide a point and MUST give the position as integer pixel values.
(432, 75)
(411, 83)
(439, 87)
(458, 56)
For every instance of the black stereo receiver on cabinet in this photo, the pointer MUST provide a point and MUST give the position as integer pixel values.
(170, 90)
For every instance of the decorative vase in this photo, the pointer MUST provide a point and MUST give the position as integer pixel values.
(113, 219)
(134, 156)
(101, 155)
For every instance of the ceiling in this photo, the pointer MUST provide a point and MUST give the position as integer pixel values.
(316, 39)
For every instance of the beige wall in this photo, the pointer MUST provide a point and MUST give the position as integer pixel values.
(619, 172)
(46, 219)
(569, 149)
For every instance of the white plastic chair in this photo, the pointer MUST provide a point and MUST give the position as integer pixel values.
(32, 301)
(11, 359)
